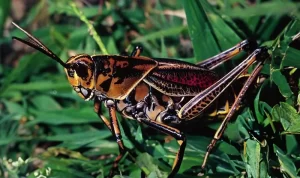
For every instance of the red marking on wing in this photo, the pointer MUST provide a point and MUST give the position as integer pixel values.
(201, 79)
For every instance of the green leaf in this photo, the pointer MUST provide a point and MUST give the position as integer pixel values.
(14, 108)
(195, 151)
(279, 79)
(258, 112)
(256, 163)
(162, 33)
(139, 136)
(45, 103)
(148, 165)
(291, 143)
(94, 34)
(93, 134)
(288, 117)
(286, 164)
(40, 86)
(77, 140)
(66, 116)
(4, 12)
(62, 168)
(291, 58)
(209, 33)
(259, 9)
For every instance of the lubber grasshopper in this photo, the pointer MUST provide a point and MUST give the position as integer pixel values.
(161, 93)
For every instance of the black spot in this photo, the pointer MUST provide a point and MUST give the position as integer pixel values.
(202, 105)
(82, 70)
(194, 113)
(106, 84)
(119, 81)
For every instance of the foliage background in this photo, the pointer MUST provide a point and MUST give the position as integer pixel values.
(46, 129)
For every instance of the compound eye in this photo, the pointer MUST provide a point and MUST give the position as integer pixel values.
(82, 70)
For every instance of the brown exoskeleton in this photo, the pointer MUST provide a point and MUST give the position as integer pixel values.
(158, 92)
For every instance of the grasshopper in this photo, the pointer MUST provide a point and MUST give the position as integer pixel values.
(159, 92)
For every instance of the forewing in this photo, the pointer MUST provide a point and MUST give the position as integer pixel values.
(116, 76)
(178, 78)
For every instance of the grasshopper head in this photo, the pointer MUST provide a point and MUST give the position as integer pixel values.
(79, 70)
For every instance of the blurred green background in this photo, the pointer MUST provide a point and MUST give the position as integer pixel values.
(46, 129)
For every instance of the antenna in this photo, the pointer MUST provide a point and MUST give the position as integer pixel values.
(36, 44)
